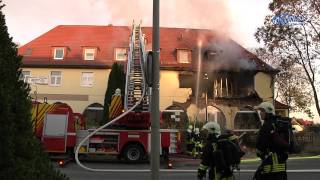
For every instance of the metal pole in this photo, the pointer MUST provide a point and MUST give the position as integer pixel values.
(155, 114)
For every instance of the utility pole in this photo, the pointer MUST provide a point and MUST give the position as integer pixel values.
(155, 114)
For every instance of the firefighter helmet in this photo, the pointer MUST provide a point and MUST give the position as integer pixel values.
(117, 92)
(267, 107)
(212, 128)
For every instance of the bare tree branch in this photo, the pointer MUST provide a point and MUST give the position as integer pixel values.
(316, 7)
(314, 28)
(308, 54)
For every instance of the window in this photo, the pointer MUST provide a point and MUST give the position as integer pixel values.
(89, 54)
(55, 78)
(121, 54)
(184, 56)
(87, 79)
(58, 53)
(55, 125)
(24, 76)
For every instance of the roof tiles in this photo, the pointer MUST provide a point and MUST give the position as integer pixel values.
(105, 38)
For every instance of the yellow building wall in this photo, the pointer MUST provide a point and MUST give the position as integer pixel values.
(264, 86)
(70, 86)
(170, 91)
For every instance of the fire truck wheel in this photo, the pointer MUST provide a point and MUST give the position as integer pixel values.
(133, 153)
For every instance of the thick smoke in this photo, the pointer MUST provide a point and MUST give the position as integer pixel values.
(208, 14)
(204, 14)
(225, 54)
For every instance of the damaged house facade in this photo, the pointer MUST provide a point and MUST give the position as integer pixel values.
(199, 69)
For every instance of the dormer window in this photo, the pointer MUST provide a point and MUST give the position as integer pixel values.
(89, 54)
(120, 54)
(183, 56)
(58, 53)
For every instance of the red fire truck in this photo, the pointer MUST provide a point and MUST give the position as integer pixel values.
(60, 130)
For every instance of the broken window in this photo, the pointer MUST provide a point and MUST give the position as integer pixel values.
(233, 85)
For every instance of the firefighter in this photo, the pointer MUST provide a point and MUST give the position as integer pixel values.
(271, 147)
(190, 143)
(210, 157)
(197, 147)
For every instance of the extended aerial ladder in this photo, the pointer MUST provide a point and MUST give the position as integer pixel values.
(135, 84)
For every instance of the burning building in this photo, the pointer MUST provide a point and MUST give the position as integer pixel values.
(199, 69)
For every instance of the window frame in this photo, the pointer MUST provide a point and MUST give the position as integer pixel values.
(55, 84)
(81, 79)
(55, 53)
(116, 54)
(179, 51)
(85, 54)
(23, 77)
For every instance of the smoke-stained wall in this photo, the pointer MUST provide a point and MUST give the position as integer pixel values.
(171, 91)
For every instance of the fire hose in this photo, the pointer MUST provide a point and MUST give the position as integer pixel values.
(109, 123)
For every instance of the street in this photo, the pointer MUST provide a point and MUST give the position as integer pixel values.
(185, 170)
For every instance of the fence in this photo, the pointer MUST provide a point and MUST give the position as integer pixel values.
(309, 141)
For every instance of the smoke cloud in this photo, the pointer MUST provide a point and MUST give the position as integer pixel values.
(208, 14)
(227, 55)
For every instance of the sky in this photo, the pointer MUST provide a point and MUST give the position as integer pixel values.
(238, 19)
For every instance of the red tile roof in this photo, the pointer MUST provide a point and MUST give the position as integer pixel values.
(106, 38)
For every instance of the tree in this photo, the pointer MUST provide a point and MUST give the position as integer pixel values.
(290, 83)
(117, 79)
(297, 41)
(21, 154)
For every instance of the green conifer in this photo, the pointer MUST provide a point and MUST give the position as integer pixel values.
(21, 154)
(117, 79)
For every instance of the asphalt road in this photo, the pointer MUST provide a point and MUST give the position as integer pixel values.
(183, 169)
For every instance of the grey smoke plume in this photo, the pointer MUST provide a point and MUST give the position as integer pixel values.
(208, 14)
(227, 55)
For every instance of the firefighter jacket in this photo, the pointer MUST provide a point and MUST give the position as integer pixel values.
(210, 159)
(272, 149)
